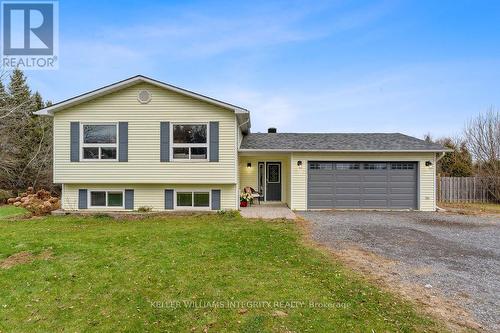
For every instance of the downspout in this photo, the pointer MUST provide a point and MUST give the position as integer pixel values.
(435, 183)
(246, 122)
(237, 163)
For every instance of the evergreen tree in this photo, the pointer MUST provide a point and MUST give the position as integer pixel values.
(19, 92)
(3, 95)
(457, 163)
(38, 101)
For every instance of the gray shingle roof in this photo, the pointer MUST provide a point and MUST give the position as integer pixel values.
(337, 141)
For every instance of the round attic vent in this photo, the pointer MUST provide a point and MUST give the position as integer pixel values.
(144, 96)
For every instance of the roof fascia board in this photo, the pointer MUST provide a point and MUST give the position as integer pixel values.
(343, 151)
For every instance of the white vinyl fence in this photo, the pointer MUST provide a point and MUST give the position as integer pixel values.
(461, 189)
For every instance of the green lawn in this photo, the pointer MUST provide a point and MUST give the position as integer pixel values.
(11, 211)
(115, 276)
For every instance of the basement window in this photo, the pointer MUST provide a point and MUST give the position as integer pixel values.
(193, 199)
(106, 199)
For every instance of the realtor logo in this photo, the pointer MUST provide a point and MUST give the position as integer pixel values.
(29, 34)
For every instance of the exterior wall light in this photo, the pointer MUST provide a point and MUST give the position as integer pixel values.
(299, 164)
(428, 163)
(249, 165)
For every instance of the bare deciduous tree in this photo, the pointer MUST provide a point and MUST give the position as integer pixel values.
(25, 139)
(482, 136)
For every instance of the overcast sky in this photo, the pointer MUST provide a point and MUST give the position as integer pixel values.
(312, 66)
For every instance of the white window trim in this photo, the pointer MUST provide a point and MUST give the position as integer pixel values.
(89, 198)
(189, 145)
(100, 145)
(192, 199)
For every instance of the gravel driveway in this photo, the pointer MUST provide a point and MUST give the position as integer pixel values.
(460, 254)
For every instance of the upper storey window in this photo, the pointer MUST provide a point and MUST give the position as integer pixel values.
(190, 142)
(99, 141)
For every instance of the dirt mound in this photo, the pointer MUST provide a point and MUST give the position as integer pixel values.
(24, 257)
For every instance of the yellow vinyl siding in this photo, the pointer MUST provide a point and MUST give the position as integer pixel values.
(249, 176)
(426, 174)
(147, 195)
(144, 164)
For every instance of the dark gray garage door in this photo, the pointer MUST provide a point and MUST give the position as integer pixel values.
(391, 185)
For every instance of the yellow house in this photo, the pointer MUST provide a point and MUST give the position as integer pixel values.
(144, 143)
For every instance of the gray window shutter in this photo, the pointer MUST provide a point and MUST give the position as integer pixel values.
(214, 141)
(215, 199)
(169, 199)
(123, 144)
(75, 141)
(82, 199)
(165, 141)
(129, 199)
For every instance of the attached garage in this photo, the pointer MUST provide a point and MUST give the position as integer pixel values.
(350, 170)
(362, 185)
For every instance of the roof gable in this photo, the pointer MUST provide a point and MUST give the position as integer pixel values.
(242, 114)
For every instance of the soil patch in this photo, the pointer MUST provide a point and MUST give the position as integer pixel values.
(24, 258)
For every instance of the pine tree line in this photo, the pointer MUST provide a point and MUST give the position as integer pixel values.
(25, 139)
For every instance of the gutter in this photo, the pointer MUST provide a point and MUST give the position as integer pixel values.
(443, 151)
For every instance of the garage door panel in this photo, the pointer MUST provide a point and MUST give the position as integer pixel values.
(402, 178)
(406, 183)
(402, 204)
(347, 190)
(346, 185)
(363, 187)
(374, 184)
(321, 190)
(320, 177)
(400, 191)
(345, 203)
(375, 204)
(347, 178)
(321, 197)
(375, 190)
(375, 178)
(316, 185)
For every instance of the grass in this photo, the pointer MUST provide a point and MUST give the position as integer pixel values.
(11, 211)
(472, 207)
(181, 274)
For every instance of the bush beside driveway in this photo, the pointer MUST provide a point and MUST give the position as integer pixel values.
(456, 255)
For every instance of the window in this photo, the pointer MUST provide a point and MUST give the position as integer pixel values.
(375, 166)
(402, 166)
(106, 198)
(201, 199)
(273, 173)
(347, 166)
(99, 141)
(193, 199)
(190, 142)
(321, 166)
